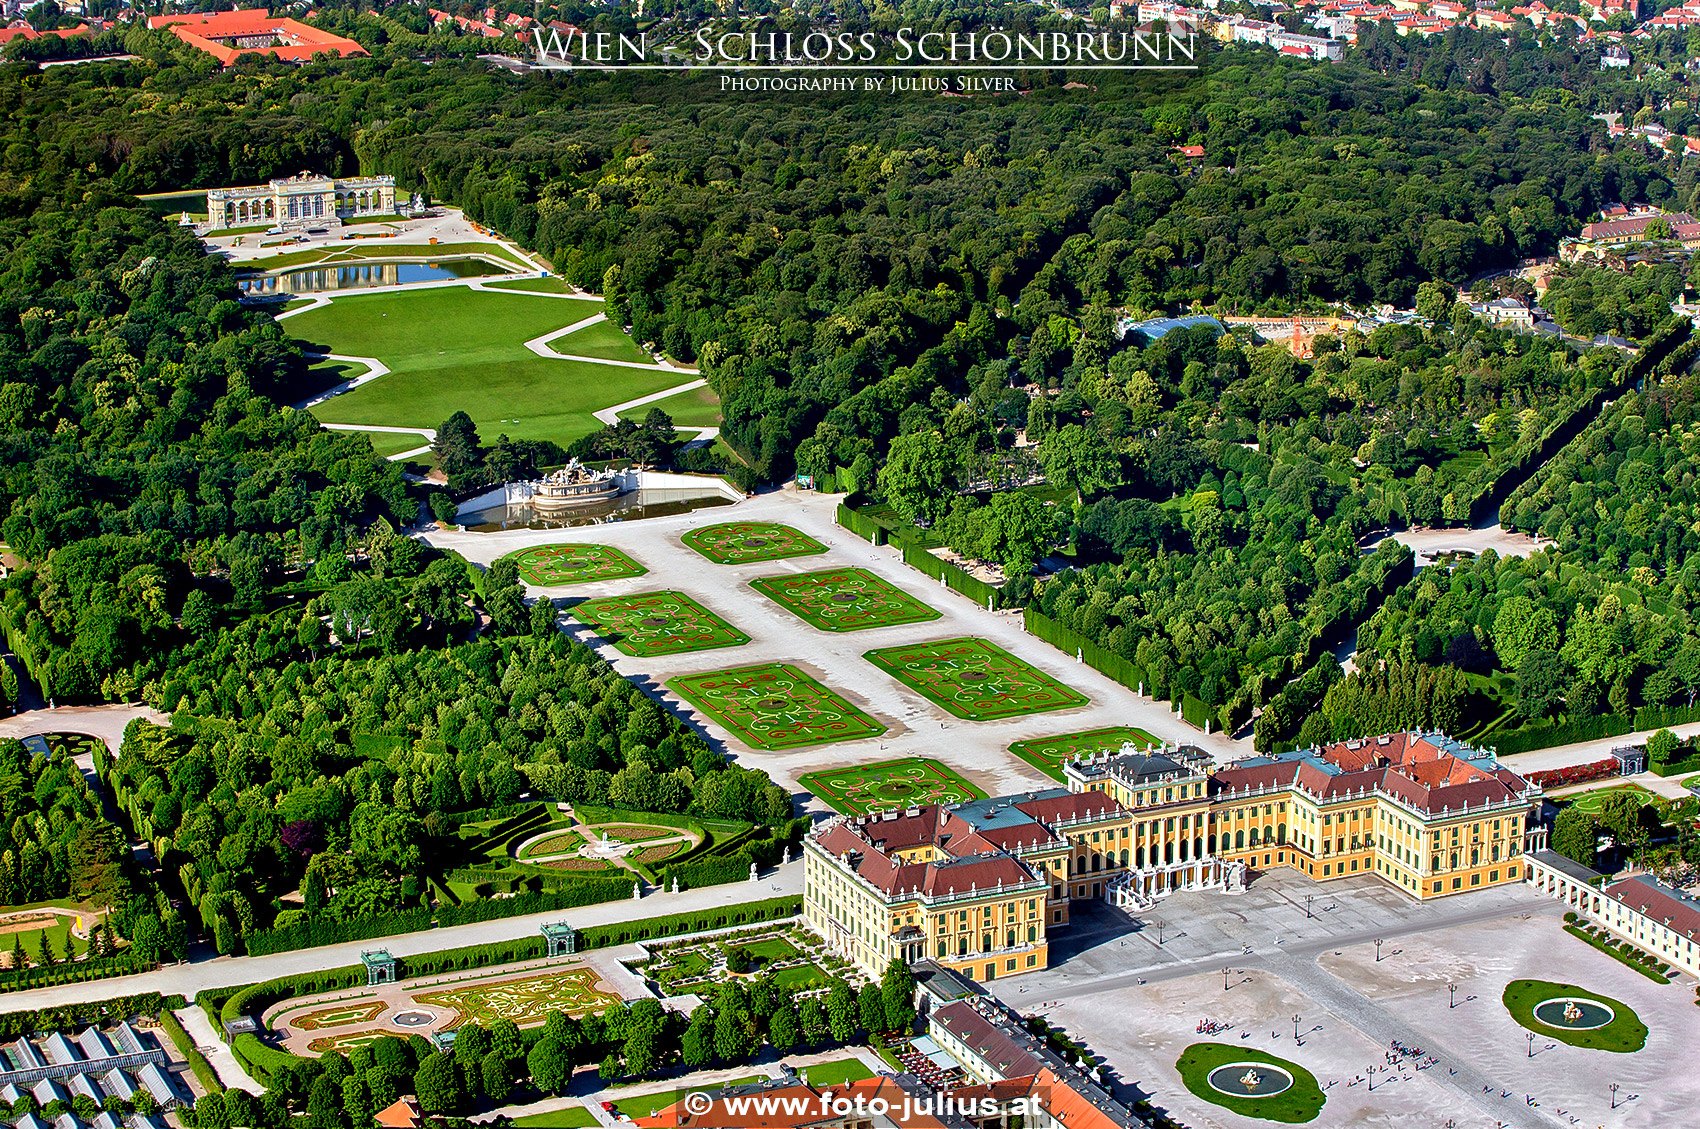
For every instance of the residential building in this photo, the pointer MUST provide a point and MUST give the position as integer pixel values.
(1623, 230)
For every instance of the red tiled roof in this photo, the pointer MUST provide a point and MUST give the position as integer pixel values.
(1647, 895)
(300, 42)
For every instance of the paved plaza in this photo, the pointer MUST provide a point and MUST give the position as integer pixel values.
(979, 750)
(1139, 1004)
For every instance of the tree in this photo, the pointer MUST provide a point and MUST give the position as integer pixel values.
(697, 1045)
(1661, 746)
(200, 614)
(437, 1085)
(1540, 684)
(457, 446)
(917, 476)
(897, 992)
(1078, 457)
(495, 1077)
(841, 1012)
(642, 1050)
(870, 1009)
(1574, 834)
(783, 1030)
(549, 1064)
(734, 1035)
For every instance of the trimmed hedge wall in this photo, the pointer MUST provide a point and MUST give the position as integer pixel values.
(750, 913)
(14, 1024)
(312, 934)
(74, 973)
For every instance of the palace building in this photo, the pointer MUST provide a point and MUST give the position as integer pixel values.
(977, 886)
(300, 200)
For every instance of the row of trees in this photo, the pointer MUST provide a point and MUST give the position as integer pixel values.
(499, 1064)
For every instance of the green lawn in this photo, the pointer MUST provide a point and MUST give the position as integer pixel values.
(655, 1103)
(699, 407)
(1625, 1034)
(551, 285)
(1299, 1103)
(800, 976)
(1593, 801)
(836, 1073)
(1049, 754)
(387, 443)
(605, 341)
(574, 1117)
(463, 350)
(378, 249)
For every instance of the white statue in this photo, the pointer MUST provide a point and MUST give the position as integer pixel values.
(786, 857)
(675, 883)
(1251, 1079)
(637, 891)
(753, 876)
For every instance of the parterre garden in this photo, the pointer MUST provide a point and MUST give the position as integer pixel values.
(528, 999)
(741, 542)
(550, 566)
(797, 959)
(1049, 754)
(1593, 801)
(775, 706)
(908, 782)
(843, 599)
(658, 623)
(974, 679)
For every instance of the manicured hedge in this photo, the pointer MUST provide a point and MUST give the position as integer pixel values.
(672, 925)
(16, 1023)
(124, 964)
(204, 1072)
(586, 893)
(313, 933)
(862, 526)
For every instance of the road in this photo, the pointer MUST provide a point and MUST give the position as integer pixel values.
(189, 978)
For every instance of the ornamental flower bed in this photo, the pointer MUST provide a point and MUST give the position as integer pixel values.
(1574, 774)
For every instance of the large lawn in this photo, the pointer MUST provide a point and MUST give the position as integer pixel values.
(699, 407)
(456, 349)
(605, 341)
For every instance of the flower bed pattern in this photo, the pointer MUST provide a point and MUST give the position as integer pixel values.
(740, 542)
(974, 679)
(550, 566)
(775, 706)
(658, 623)
(843, 599)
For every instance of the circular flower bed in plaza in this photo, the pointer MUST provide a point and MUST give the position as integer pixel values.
(1575, 1016)
(1251, 1083)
